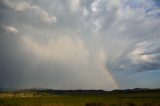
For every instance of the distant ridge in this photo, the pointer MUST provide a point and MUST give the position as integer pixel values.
(79, 92)
(138, 92)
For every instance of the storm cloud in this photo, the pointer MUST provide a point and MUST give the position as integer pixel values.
(77, 44)
(143, 57)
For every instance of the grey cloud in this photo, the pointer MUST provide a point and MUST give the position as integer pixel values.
(143, 57)
(128, 32)
(24, 13)
(10, 29)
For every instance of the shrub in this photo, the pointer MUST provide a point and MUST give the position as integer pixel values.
(95, 104)
(130, 104)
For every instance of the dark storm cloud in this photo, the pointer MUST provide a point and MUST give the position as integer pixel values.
(9, 45)
(157, 2)
(144, 56)
(140, 25)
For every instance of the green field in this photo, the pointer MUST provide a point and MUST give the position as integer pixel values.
(108, 99)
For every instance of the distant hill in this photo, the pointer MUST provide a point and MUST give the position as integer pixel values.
(50, 92)
(136, 90)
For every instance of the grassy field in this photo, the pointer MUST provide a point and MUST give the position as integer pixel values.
(111, 99)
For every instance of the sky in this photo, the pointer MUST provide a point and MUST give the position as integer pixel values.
(80, 44)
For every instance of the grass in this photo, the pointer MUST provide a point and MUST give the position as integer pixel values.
(76, 101)
(118, 99)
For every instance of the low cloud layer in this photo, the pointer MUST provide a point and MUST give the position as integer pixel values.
(77, 44)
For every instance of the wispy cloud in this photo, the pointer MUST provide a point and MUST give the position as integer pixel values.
(10, 29)
(23, 6)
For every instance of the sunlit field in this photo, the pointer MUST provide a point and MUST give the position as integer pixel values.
(110, 99)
